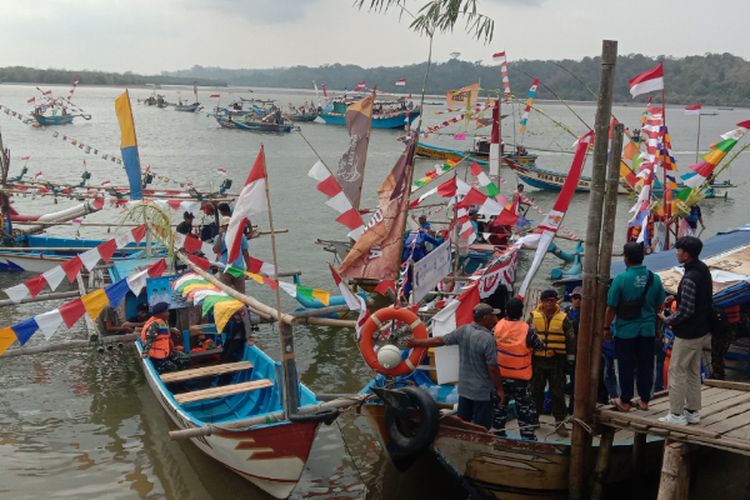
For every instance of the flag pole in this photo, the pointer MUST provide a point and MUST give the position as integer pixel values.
(286, 331)
(698, 137)
(667, 220)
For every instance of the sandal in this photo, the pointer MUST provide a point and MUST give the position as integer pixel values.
(619, 405)
(640, 404)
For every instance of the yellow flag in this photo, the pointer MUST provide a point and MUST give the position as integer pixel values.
(223, 311)
(7, 337)
(200, 286)
(95, 302)
(322, 295)
(465, 96)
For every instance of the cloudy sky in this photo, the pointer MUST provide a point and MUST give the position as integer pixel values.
(147, 36)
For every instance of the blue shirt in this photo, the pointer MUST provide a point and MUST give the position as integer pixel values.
(477, 350)
(239, 262)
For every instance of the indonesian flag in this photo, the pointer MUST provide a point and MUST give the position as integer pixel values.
(221, 171)
(498, 56)
(250, 202)
(106, 183)
(695, 109)
(38, 175)
(337, 199)
(361, 85)
(401, 82)
(647, 81)
(552, 221)
(32, 100)
(25, 158)
(355, 302)
(214, 96)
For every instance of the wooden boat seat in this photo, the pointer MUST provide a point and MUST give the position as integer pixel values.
(225, 390)
(205, 371)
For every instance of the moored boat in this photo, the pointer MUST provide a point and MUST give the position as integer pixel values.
(388, 115)
(187, 108)
(255, 125)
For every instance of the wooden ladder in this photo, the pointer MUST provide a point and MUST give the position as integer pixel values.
(220, 392)
(205, 371)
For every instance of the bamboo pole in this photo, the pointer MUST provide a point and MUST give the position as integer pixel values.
(278, 416)
(62, 346)
(602, 462)
(580, 442)
(605, 259)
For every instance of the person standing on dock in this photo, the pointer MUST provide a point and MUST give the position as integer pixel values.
(634, 299)
(574, 313)
(549, 365)
(690, 324)
(515, 344)
(479, 381)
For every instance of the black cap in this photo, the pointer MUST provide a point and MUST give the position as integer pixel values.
(159, 308)
(188, 215)
(548, 294)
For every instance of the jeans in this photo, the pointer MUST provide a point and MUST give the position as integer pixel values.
(476, 412)
(635, 359)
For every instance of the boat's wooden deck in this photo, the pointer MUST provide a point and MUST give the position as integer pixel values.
(205, 371)
(725, 418)
(225, 390)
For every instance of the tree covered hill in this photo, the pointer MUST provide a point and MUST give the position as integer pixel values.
(711, 79)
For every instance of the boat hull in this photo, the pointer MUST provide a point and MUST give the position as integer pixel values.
(397, 120)
(53, 120)
(187, 108)
(255, 126)
(32, 263)
(303, 118)
(510, 468)
(438, 153)
(271, 456)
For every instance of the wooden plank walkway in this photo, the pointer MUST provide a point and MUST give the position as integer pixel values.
(725, 418)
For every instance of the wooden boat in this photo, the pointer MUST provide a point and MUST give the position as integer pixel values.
(255, 125)
(271, 456)
(187, 108)
(51, 120)
(478, 154)
(388, 116)
(502, 467)
(302, 117)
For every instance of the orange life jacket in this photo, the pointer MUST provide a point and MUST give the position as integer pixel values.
(513, 356)
(161, 347)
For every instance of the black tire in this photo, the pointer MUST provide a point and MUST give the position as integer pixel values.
(411, 433)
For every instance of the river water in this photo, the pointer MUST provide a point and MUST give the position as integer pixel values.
(83, 424)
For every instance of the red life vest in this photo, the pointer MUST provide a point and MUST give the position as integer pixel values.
(513, 356)
(161, 347)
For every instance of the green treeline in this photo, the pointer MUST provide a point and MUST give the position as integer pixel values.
(21, 74)
(711, 79)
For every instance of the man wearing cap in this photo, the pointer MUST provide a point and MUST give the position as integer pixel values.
(241, 262)
(635, 296)
(690, 323)
(186, 226)
(556, 331)
(156, 339)
(479, 381)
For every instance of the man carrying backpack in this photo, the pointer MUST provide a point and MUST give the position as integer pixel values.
(634, 299)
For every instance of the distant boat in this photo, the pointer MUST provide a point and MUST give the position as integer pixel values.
(302, 117)
(393, 114)
(479, 153)
(46, 116)
(252, 124)
(725, 109)
(187, 108)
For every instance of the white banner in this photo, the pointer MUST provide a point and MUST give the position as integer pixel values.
(428, 272)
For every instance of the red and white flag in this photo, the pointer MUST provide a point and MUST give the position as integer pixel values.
(214, 96)
(647, 81)
(401, 82)
(325, 92)
(695, 109)
(38, 175)
(31, 100)
(25, 158)
(106, 183)
(250, 203)
(337, 199)
(498, 56)
(221, 171)
(361, 85)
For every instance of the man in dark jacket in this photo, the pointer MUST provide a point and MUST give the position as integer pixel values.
(690, 324)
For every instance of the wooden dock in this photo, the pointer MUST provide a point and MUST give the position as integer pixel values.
(725, 418)
(724, 425)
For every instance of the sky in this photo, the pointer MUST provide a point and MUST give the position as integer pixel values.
(148, 36)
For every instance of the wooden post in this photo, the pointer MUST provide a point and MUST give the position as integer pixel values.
(675, 472)
(581, 441)
(636, 460)
(602, 462)
(605, 259)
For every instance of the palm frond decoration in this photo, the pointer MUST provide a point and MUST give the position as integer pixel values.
(158, 223)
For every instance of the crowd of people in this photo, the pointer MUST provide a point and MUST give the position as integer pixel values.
(505, 358)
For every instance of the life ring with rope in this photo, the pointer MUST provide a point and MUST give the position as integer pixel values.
(367, 343)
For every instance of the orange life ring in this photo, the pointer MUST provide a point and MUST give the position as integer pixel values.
(375, 321)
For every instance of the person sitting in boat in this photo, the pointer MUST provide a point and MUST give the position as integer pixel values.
(186, 226)
(415, 245)
(241, 262)
(480, 383)
(515, 343)
(476, 224)
(521, 151)
(109, 323)
(424, 224)
(156, 338)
